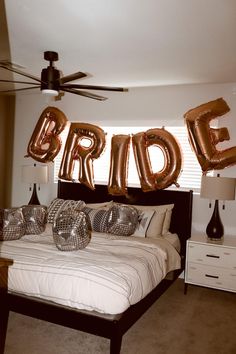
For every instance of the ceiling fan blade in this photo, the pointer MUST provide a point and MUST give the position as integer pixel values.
(92, 87)
(83, 93)
(20, 73)
(20, 89)
(20, 82)
(72, 77)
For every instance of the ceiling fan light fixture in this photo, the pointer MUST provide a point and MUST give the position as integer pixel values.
(49, 92)
(52, 84)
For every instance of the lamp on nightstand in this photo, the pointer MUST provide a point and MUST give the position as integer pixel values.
(33, 175)
(217, 188)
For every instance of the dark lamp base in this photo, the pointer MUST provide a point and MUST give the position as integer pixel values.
(215, 228)
(34, 200)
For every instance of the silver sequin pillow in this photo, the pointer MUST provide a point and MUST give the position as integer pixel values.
(71, 230)
(58, 205)
(98, 218)
(35, 218)
(122, 220)
(12, 224)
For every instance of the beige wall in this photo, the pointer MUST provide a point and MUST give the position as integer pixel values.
(7, 108)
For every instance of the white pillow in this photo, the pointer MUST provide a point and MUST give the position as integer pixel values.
(160, 222)
(167, 221)
(144, 219)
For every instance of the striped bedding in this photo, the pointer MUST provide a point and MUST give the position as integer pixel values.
(108, 276)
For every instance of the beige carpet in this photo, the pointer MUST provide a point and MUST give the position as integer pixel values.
(203, 321)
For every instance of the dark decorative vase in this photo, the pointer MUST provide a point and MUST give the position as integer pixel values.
(215, 228)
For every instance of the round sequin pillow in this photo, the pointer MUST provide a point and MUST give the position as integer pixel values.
(123, 220)
(71, 230)
(12, 224)
(35, 218)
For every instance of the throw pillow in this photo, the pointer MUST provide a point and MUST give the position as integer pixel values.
(123, 220)
(57, 205)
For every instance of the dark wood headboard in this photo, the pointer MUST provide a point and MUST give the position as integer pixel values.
(181, 220)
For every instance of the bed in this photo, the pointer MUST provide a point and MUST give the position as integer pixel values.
(103, 322)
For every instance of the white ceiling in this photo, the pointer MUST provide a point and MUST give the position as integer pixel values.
(127, 42)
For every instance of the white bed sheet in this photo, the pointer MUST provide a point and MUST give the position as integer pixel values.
(173, 239)
(108, 276)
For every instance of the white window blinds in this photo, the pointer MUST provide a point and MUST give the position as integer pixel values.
(190, 178)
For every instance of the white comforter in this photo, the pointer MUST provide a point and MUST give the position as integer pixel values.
(108, 276)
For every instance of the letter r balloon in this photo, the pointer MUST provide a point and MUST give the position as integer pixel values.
(75, 150)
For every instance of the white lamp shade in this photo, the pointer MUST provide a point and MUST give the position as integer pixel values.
(35, 174)
(218, 188)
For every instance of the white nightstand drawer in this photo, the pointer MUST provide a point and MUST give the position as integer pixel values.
(211, 276)
(213, 255)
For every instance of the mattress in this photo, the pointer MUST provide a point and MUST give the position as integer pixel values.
(108, 276)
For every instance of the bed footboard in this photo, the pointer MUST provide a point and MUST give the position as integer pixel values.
(107, 326)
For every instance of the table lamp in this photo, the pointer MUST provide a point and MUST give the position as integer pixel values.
(33, 175)
(217, 188)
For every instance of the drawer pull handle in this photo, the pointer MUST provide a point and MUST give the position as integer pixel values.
(212, 276)
(212, 256)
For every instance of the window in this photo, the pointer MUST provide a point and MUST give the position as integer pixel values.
(189, 178)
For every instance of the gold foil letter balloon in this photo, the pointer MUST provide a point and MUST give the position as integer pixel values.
(75, 150)
(120, 145)
(204, 139)
(172, 159)
(45, 142)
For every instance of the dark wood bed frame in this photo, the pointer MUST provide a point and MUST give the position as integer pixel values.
(111, 327)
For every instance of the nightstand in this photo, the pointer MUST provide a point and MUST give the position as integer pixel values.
(211, 263)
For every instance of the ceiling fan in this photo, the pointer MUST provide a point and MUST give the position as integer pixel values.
(51, 82)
